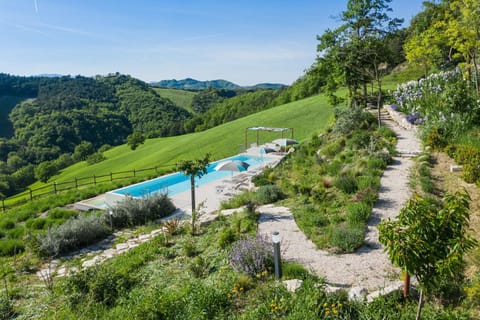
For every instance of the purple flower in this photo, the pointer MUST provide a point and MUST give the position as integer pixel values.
(252, 255)
(394, 107)
(414, 118)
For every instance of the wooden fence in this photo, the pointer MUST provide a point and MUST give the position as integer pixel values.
(58, 187)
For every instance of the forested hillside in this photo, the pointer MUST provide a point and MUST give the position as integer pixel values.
(74, 117)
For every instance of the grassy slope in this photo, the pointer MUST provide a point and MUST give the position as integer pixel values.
(181, 98)
(305, 116)
(6, 105)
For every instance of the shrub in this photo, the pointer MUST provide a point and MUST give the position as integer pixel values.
(59, 213)
(435, 137)
(359, 140)
(198, 267)
(365, 182)
(374, 163)
(351, 119)
(469, 156)
(6, 308)
(385, 157)
(104, 284)
(226, 237)
(293, 270)
(268, 194)
(7, 224)
(36, 224)
(252, 255)
(10, 247)
(72, 234)
(348, 238)
(238, 200)
(333, 148)
(133, 211)
(15, 233)
(95, 158)
(347, 183)
(189, 248)
(471, 172)
(358, 213)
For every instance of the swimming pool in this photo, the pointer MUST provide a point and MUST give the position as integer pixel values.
(178, 182)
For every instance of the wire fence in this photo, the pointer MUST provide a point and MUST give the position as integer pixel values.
(76, 183)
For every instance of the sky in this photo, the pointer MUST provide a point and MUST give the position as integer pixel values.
(243, 41)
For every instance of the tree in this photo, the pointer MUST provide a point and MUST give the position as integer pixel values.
(46, 170)
(463, 32)
(135, 139)
(429, 238)
(83, 150)
(194, 168)
(355, 50)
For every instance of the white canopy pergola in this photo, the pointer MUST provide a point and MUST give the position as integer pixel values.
(268, 129)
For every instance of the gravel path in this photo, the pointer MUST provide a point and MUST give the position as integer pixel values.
(369, 266)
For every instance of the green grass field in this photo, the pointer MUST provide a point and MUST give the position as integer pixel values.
(181, 98)
(306, 117)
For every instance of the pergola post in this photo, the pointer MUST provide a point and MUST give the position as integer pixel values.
(246, 138)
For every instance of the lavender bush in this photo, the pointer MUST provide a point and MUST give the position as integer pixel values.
(252, 255)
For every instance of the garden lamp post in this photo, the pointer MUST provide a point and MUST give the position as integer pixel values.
(110, 213)
(276, 255)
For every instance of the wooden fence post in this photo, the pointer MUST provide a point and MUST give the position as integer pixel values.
(3, 204)
(55, 187)
(111, 177)
(31, 194)
(94, 180)
(76, 183)
(133, 172)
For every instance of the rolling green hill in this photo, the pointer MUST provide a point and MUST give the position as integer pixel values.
(305, 116)
(180, 98)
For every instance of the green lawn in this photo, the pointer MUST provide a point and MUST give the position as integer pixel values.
(181, 98)
(306, 117)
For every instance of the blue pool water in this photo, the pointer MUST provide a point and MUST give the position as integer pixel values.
(177, 182)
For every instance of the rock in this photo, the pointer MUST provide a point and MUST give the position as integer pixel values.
(332, 289)
(385, 291)
(144, 237)
(357, 294)
(293, 284)
(156, 232)
(122, 246)
(454, 168)
(88, 263)
(109, 253)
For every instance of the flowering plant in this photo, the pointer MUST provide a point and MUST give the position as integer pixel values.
(252, 255)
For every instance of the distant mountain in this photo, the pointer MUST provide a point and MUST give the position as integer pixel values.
(269, 86)
(49, 75)
(192, 84)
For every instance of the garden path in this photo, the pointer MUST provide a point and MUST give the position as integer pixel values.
(369, 267)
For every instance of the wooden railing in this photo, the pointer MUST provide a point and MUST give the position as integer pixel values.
(76, 183)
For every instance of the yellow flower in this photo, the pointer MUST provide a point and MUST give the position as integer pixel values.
(327, 312)
(325, 305)
(333, 305)
(335, 311)
(340, 305)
